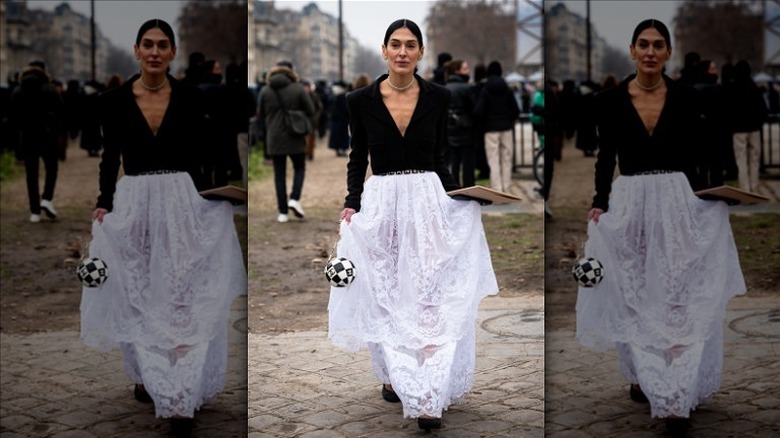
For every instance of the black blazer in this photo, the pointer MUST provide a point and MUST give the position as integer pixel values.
(180, 143)
(375, 133)
(675, 144)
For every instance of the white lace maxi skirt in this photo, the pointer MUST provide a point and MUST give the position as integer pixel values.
(671, 266)
(423, 265)
(175, 266)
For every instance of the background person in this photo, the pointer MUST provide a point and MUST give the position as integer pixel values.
(37, 119)
(281, 143)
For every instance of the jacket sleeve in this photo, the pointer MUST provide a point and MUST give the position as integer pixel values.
(440, 148)
(358, 156)
(110, 159)
(606, 159)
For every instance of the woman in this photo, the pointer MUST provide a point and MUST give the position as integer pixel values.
(174, 260)
(670, 260)
(422, 258)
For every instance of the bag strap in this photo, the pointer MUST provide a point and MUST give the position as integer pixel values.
(279, 99)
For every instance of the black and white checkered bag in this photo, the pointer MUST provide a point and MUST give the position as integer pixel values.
(588, 272)
(92, 272)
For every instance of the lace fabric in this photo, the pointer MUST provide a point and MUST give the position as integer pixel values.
(175, 267)
(423, 265)
(670, 266)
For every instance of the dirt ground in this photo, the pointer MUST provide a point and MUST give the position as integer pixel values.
(287, 288)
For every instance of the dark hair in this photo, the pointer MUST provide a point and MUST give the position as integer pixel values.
(159, 24)
(480, 72)
(494, 69)
(409, 24)
(655, 24)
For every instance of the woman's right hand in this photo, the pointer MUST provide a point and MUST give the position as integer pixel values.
(346, 214)
(98, 214)
(594, 214)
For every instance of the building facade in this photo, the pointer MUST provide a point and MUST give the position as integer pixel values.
(565, 46)
(60, 38)
(309, 39)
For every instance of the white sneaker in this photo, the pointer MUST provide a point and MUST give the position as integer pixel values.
(296, 208)
(48, 208)
(282, 218)
(35, 218)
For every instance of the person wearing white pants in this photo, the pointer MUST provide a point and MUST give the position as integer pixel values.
(497, 108)
(498, 147)
(747, 152)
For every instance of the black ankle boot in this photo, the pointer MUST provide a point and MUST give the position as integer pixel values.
(429, 423)
(182, 427)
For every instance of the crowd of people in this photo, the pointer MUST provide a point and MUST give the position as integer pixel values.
(733, 108)
(482, 114)
(40, 116)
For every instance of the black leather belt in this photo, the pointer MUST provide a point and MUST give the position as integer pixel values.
(652, 172)
(158, 172)
(402, 172)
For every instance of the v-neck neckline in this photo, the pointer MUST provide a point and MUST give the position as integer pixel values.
(392, 120)
(638, 117)
(140, 113)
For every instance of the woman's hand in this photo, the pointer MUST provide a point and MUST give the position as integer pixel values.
(98, 214)
(594, 214)
(346, 214)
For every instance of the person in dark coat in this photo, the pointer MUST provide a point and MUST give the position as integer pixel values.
(439, 72)
(223, 148)
(283, 84)
(498, 107)
(37, 117)
(480, 158)
(748, 113)
(716, 136)
(339, 120)
(460, 125)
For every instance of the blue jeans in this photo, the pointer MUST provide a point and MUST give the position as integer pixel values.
(280, 178)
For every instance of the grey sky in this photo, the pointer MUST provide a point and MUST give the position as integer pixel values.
(367, 20)
(119, 20)
(615, 20)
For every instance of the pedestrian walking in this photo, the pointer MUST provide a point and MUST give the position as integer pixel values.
(747, 114)
(284, 93)
(339, 120)
(174, 258)
(670, 261)
(498, 108)
(311, 138)
(423, 259)
(460, 124)
(37, 119)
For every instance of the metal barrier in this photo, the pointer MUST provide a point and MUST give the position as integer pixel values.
(770, 143)
(524, 141)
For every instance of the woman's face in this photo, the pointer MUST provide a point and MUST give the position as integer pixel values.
(155, 52)
(402, 51)
(650, 52)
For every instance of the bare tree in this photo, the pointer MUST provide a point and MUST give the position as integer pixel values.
(723, 31)
(369, 62)
(121, 62)
(216, 28)
(616, 62)
(478, 31)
